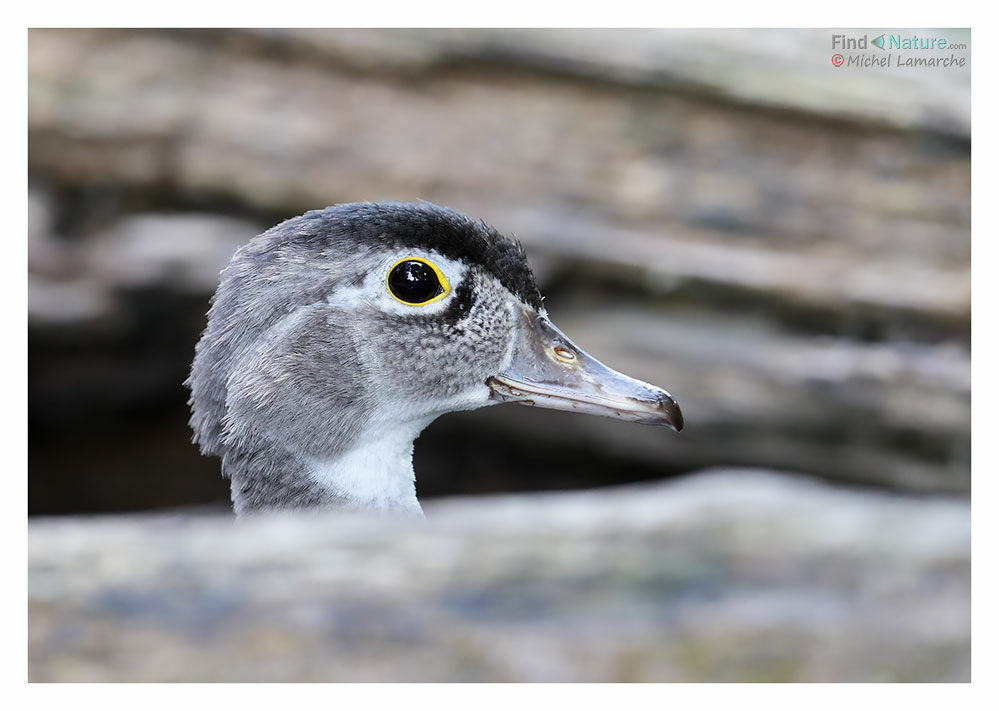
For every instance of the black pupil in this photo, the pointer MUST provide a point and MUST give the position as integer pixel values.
(414, 282)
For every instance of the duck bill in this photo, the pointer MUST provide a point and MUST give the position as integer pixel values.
(549, 370)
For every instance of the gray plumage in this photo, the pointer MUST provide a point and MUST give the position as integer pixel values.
(311, 380)
(283, 373)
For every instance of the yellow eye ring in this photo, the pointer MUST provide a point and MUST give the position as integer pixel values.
(415, 281)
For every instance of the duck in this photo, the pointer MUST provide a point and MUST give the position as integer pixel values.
(337, 336)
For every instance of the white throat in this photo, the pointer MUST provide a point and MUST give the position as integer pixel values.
(376, 474)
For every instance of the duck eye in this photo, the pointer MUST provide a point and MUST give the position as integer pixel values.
(416, 282)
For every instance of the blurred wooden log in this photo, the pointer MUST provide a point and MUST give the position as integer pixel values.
(785, 69)
(838, 215)
(195, 113)
(728, 576)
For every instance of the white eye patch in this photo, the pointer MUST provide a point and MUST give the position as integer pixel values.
(371, 286)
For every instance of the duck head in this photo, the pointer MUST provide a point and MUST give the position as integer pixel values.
(337, 336)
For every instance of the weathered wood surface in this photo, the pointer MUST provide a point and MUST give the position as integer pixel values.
(783, 245)
(785, 69)
(724, 576)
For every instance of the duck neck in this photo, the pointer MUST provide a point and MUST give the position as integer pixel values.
(375, 474)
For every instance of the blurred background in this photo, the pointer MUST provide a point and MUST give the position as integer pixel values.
(781, 243)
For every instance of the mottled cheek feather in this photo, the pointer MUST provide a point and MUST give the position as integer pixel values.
(430, 357)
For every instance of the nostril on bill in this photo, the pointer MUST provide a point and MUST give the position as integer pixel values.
(564, 355)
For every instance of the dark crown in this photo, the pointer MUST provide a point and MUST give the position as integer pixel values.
(427, 226)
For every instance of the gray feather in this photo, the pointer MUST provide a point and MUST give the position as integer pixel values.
(285, 374)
